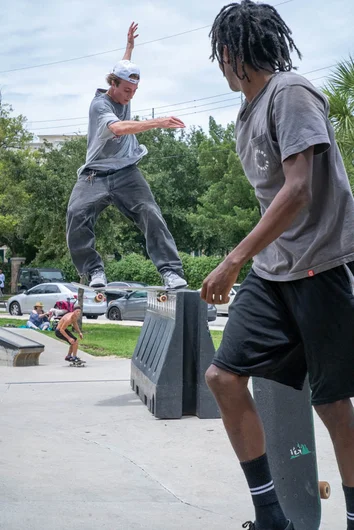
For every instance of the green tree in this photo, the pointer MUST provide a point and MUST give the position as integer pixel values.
(340, 92)
(228, 210)
(172, 170)
(16, 167)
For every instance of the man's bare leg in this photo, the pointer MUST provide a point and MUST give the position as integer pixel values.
(70, 352)
(75, 347)
(245, 431)
(240, 417)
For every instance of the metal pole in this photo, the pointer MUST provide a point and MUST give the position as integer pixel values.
(80, 299)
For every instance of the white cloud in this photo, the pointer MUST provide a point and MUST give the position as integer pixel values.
(173, 70)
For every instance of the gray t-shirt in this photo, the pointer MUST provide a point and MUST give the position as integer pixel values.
(104, 150)
(286, 117)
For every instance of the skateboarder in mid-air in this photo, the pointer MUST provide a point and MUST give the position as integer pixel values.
(110, 176)
(294, 313)
(62, 332)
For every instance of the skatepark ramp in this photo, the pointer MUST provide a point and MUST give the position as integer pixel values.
(172, 354)
(16, 350)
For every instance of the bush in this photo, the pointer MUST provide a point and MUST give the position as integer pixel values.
(135, 267)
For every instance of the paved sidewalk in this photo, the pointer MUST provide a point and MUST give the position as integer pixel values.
(79, 451)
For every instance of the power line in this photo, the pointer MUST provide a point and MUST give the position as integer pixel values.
(173, 104)
(205, 110)
(197, 106)
(101, 53)
(139, 110)
(115, 49)
(177, 115)
(179, 110)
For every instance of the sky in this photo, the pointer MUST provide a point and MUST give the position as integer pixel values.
(177, 77)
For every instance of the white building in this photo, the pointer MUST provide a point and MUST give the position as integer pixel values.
(55, 139)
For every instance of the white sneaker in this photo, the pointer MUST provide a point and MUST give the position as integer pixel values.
(98, 279)
(173, 281)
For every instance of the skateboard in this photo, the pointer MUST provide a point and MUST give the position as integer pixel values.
(77, 363)
(291, 448)
(162, 293)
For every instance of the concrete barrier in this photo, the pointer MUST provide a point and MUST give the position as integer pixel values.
(16, 350)
(173, 351)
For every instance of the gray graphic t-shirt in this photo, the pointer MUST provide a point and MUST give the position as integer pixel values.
(286, 117)
(104, 150)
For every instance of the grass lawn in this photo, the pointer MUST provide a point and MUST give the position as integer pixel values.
(106, 339)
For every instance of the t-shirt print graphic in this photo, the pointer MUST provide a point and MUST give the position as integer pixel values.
(261, 160)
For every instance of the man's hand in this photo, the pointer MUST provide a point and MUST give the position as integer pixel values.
(132, 35)
(81, 335)
(170, 123)
(217, 286)
(71, 340)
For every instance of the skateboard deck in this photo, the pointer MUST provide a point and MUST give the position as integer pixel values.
(161, 292)
(79, 364)
(291, 448)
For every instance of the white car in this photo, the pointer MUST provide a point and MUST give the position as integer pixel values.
(223, 309)
(50, 293)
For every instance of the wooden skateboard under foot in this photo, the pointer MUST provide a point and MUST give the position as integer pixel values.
(161, 292)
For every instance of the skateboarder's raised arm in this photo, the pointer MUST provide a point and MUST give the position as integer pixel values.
(133, 28)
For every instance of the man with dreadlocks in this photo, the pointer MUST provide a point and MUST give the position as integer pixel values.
(294, 312)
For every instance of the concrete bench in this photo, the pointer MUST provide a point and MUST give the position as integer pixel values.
(16, 350)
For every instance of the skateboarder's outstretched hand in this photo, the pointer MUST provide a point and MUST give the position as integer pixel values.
(170, 123)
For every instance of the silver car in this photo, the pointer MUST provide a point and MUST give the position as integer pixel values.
(50, 293)
(133, 306)
(223, 309)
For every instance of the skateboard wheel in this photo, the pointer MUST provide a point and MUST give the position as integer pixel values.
(325, 490)
(99, 297)
(162, 298)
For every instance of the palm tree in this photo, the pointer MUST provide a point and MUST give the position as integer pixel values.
(340, 92)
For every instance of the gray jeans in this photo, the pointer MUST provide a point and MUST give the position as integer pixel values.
(131, 194)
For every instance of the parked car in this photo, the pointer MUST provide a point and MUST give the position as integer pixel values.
(223, 309)
(120, 293)
(49, 294)
(132, 306)
(30, 277)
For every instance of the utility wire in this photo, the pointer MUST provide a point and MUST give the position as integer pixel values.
(166, 106)
(115, 49)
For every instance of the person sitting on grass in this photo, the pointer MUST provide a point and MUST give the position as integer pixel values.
(62, 332)
(38, 318)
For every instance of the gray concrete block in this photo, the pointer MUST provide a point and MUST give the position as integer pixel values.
(16, 350)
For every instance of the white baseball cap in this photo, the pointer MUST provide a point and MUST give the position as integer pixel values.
(124, 69)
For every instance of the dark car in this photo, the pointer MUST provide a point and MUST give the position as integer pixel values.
(132, 306)
(29, 277)
(117, 293)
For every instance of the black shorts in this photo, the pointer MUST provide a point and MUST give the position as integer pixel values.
(61, 336)
(282, 330)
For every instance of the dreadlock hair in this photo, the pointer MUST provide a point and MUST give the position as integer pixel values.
(254, 33)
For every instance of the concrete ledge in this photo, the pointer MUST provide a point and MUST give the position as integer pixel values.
(16, 350)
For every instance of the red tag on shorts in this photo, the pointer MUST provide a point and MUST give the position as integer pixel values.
(311, 273)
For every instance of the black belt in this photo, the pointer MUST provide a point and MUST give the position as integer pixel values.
(100, 173)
